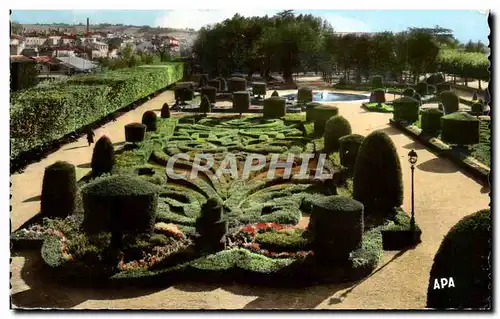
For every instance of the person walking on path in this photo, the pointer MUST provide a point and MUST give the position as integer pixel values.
(90, 135)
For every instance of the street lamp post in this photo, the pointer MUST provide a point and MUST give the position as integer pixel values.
(412, 158)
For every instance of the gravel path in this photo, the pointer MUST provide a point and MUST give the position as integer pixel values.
(443, 195)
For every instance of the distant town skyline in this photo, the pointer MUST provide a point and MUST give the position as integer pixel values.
(465, 24)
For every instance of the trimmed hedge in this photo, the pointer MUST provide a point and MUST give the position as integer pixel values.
(431, 121)
(241, 101)
(103, 156)
(406, 109)
(464, 256)
(165, 111)
(119, 203)
(259, 89)
(378, 96)
(460, 128)
(304, 95)
(336, 227)
(450, 101)
(377, 82)
(335, 128)
(209, 91)
(422, 88)
(45, 113)
(235, 84)
(378, 180)
(149, 119)
(274, 107)
(321, 114)
(477, 108)
(183, 94)
(348, 149)
(282, 241)
(216, 83)
(441, 87)
(309, 110)
(135, 132)
(58, 190)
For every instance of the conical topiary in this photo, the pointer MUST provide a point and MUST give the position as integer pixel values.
(165, 111)
(205, 105)
(210, 227)
(335, 128)
(275, 93)
(103, 157)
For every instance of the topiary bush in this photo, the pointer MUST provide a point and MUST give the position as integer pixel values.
(210, 227)
(460, 128)
(103, 156)
(259, 89)
(435, 78)
(183, 94)
(241, 101)
(450, 101)
(477, 108)
(210, 92)
(216, 83)
(223, 84)
(378, 96)
(119, 204)
(464, 255)
(336, 228)
(274, 107)
(474, 96)
(235, 84)
(335, 128)
(134, 132)
(348, 149)
(418, 97)
(406, 109)
(321, 114)
(431, 89)
(205, 105)
(165, 111)
(441, 87)
(422, 88)
(409, 92)
(58, 190)
(149, 119)
(203, 80)
(431, 121)
(310, 109)
(377, 82)
(275, 93)
(304, 95)
(378, 181)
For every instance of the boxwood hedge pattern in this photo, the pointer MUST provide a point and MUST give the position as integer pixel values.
(45, 113)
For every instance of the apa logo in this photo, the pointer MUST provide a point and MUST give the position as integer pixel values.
(441, 283)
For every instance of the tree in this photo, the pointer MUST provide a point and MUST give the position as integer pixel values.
(15, 28)
(422, 53)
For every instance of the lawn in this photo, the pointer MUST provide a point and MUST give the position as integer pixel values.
(379, 107)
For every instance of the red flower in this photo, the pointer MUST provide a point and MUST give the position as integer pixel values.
(261, 226)
(248, 229)
(254, 246)
(276, 226)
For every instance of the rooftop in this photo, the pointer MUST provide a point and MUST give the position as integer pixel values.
(77, 63)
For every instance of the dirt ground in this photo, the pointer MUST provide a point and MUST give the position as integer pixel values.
(443, 195)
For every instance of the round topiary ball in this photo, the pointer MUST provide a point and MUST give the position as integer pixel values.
(378, 96)
(165, 111)
(304, 95)
(431, 121)
(348, 149)
(259, 89)
(236, 84)
(464, 255)
(335, 128)
(310, 109)
(58, 190)
(377, 82)
(275, 93)
(210, 92)
(450, 101)
(409, 92)
(134, 132)
(460, 128)
(241, 101)
(149, 119)
(103, 156)
(321, 114)
(406, 109)
(477, 108)
(378, 180)
(274, 107)
(336, 227)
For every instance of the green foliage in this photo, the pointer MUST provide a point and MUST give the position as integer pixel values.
(149, 119)
(274, 107)
(477, 108)
(205, 106)
(236, 84)
(44, 114)
(464, 255)
(379, 107)
(241, 101)
(377, 82)
(450, 101)
(165, 111)
(134, 132)
(431, 89)
(378, 96)
(431, 121)
(441, 87)
(336, 227)
(435, 78)
(259, 89)
(209, 91)
(465, 64)
(183, 94)
(23, 75)
(309, 110)
(378, 180)
(58, 190)
(216, 83)
(119, 203)
(406, 109)
(103, 156)
(348, 150)
(422, 88)
(275, 93)
(321, 114)
(409, 92)
(335, 128)
(460, 128)
(279, 241)
(304, 95)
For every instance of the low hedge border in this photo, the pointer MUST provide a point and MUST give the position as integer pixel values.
(469, 164)
(398, 235)
(377, 109)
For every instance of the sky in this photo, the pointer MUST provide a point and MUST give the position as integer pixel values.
(466, 24)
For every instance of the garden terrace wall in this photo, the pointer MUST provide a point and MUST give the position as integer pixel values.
(44, 114)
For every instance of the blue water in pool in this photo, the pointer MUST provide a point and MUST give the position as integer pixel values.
(328, 96)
